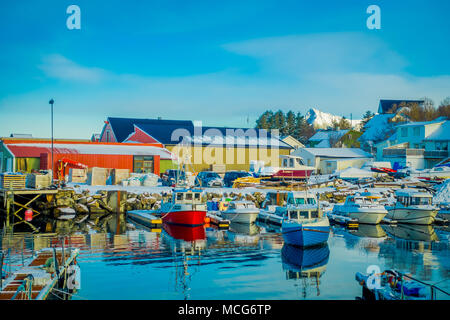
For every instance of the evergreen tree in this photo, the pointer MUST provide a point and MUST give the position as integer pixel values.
(290, 123)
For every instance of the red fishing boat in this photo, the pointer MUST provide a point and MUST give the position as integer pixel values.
(292, 168)
(186, 208)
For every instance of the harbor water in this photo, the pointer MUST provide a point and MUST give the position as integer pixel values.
(243, 262)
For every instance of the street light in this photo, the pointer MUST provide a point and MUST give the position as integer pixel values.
(51, 102)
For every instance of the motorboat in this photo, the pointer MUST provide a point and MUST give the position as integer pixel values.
(303, 222)
(186, 207)
(241, 212)
(366, 208)
(393, 285)
(412, 206)
(292, 168)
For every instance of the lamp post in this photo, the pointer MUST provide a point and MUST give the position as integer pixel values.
(51, 102)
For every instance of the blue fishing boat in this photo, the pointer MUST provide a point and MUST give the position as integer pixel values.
(303, 222)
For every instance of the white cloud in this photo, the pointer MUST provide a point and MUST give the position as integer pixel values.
(59, 67)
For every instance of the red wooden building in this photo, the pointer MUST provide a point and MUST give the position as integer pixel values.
(19, 154)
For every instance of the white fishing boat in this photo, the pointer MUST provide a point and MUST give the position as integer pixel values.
(412, 206)
(366, 208)
(241, 212)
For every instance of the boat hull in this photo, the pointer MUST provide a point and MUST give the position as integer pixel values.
(241, 217)
(292, 174)
(412, 215)
(190, 218)
(365, 216)
(305, 234)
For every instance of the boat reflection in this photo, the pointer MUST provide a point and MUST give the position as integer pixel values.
(245, 234)
(370, 231)
(244, 228)
(185, 233)
(412, 232)
(306, 264)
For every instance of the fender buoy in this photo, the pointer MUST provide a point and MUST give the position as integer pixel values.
(28, 215)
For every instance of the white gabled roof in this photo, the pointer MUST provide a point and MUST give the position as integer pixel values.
(441, 134)
(335, 152)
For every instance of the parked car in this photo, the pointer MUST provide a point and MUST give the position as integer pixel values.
(209, 179)
(230, 176)
(170, 177)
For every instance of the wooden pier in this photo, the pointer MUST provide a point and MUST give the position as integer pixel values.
(9, 202)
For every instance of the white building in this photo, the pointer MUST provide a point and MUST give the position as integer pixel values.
(328, 160)
(419, 145)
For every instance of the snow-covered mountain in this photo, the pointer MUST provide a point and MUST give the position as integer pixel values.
(323, 120)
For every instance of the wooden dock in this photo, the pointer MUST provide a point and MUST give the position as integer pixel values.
(10, 203)
(216, 219)
(39, 276)
(145, 218)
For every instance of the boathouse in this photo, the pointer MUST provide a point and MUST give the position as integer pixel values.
(28, 154)
(206, 148)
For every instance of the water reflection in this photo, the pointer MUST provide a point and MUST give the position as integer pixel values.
(121, 261)
(306, 265)
(412, 232)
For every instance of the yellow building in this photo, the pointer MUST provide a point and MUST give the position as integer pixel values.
(201, 148)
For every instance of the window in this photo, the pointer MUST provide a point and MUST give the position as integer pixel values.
(285, 163)
(293, 215)
(143, 164)
(291, 162)
(107, 136)
(416, 131)
(404, 132)
(197, 196)
(179, 196)
(188, 196)
(304, 214)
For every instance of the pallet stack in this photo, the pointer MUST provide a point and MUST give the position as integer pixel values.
(12, 180)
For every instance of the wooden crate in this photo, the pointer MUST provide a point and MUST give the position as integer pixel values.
(119, 174)
(97, 176)
(15, 181)
(77, 175)
(38, 181)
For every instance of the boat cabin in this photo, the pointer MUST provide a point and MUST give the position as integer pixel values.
(187, 196)
(274, 199)
(362, 200)
(291, 162)
(296, 213)
(413, 198)
(301, 198)
(241, 205)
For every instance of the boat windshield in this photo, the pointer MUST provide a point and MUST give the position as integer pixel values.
(420, 201)
(311, 201)
(414, 201)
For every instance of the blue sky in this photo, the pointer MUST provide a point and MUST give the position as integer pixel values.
(215, 61)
